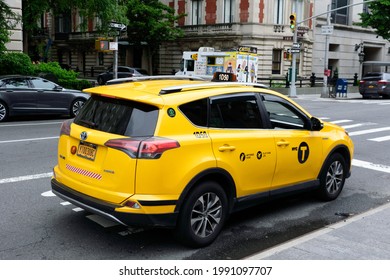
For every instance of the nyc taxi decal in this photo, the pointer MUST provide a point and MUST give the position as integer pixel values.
(200, 134)
(259, 155)
(303, 152)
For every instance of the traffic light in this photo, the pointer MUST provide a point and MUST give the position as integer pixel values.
(293, 20)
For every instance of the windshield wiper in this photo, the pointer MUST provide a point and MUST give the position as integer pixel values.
(89, 123)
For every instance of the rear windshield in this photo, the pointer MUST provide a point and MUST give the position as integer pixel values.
(118, 116)
(372, 77)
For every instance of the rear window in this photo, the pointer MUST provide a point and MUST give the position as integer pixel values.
(118, 116)
(373, 77)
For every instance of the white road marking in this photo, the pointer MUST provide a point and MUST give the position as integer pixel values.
(370, 165)
(380, 139)
(65, 203)
(48, 194)
(361, 132)
(26, 178)
(353, 125)
(30, 139)
(102, 221)
(341, 121)
(78, 209)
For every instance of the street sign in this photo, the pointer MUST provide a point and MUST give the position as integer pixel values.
(296, 45)
(118, 26)
(327, 29)
(295, 50)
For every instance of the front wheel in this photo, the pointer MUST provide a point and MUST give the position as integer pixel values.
(332, 177)
(203, 215)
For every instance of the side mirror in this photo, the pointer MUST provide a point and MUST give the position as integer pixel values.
(58, 88)
(316, 124)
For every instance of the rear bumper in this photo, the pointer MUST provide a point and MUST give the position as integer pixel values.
(107, 210)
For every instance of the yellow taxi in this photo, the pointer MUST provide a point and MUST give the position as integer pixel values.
(183, 153)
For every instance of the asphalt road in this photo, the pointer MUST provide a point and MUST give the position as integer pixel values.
(37, 225)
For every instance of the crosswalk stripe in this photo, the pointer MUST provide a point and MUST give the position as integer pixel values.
(370, 165)
(341, 121)
(380, 139)
(367, 131)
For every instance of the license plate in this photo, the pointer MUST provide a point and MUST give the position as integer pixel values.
(370, 86)
(87, 151)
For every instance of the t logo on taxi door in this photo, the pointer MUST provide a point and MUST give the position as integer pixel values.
(303, 152)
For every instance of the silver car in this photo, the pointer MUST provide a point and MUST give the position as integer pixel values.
(27, 95)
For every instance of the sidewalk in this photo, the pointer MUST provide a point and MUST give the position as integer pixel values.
(362, 237)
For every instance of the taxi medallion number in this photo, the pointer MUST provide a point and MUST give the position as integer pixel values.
(87, 151)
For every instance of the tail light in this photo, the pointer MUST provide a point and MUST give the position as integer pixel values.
(150, 148)
(362, 82)
(65, 127)
(382, 83)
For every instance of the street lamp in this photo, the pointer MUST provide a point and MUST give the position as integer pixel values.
(361, 56)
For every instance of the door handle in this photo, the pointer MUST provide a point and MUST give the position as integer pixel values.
(282, 143)
(226, 148)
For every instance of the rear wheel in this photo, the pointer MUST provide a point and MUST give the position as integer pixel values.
(76, 107)
(203, 215)
(3, 112)
(332, 177)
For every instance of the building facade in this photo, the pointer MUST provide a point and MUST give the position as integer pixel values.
(16, 43)
(349, 44)
(228, 24)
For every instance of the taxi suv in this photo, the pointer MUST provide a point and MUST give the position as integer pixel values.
(183, 153)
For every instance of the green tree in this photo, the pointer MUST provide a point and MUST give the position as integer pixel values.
(151, 23)
(105, 10)
(8, 21)
(378, 17)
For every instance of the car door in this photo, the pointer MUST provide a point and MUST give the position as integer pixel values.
(125, 72)
(299, 149)
(20, 97)
(50, 97)
(241, 144)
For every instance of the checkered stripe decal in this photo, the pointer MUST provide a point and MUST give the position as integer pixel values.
(84, 172)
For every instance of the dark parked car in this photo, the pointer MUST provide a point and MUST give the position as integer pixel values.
(25, 95)
(123, 72)
(375, 84)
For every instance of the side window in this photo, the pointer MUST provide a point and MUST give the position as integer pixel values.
(236, 112)
(16, 83)
(282, 114)
(42, 84)
(196, 111)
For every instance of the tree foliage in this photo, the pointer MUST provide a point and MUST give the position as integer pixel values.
(105, 10)
(151, 22)
(8, 21)
(378, 18)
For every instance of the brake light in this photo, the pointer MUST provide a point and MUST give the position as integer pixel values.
(65, 127)
(382, 83)
(362, 82)
(150, 148)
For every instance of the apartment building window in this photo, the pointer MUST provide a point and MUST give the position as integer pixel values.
(196, 12)
(340, 16)
(63, 23)
(279, 11)
(276, 61)
(228, 11)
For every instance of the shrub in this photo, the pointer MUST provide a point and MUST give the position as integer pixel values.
(15, 63)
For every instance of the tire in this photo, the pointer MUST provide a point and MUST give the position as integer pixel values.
(332, 177)
(76, 106)
(203, 215)
(4, 113)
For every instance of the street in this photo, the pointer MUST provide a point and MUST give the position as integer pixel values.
(36, 225)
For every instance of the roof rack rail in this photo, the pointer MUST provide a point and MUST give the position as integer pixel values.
(151, 78)
(174, 89)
